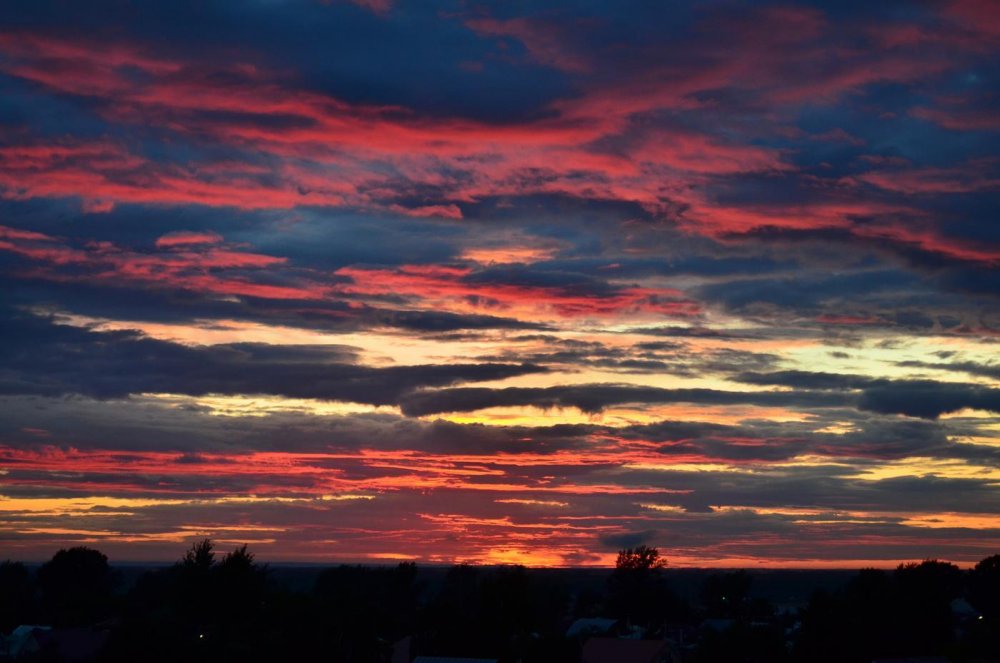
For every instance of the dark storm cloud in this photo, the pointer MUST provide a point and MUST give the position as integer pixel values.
(597, 397)
(693, 332)
(627, 540)
(928, 399)
(663, 357)
(870, 437)
(916, 398)
(185, 306)
(42, 358)
(808, 380)
(148, 424)
(807, 292)
(971, 277)
(443, 321)
(690, 257)
(425, 55)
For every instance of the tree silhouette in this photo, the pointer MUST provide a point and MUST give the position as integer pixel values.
(239, 581)
(906, 613)
(239, 572)
(640, 558)
(203, 608)
(455, 617)
(200, 555)
(984, 594)
(193, 592)
(362, 609)
(75, 586)
(224, 607)
(984, 587)
(16, 595)
(923, 595)
(636, 591)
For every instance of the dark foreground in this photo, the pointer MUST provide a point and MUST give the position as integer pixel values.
(230, 607)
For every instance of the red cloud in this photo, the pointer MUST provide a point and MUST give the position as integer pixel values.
(212, 269)
(971, 177)
(324, 151)
(450, 287)
(184, 238)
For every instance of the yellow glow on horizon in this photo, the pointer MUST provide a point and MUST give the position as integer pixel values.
(522, 556)
(391, 556)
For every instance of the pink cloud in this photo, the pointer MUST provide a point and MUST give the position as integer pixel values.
(963, 179)
(449, 287)
(958, 118)
(183, 238)
(360, 155)
(200, 267)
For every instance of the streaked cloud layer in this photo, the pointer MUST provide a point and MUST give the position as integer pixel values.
(384, 280)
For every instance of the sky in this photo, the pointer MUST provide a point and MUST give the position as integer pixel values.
(508, 282)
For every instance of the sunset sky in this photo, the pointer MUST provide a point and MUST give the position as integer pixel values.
(501, 282)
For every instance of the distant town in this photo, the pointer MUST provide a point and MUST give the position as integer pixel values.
(215, 605)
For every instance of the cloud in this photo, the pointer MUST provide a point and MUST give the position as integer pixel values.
(46, 359)
(182, 238)
(915, 398)
(500, 283)
(928, 399)
(597, 397)
(545, 40)
(598, 145)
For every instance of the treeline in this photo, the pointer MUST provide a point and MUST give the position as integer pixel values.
(229, 607)
(911, 611)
